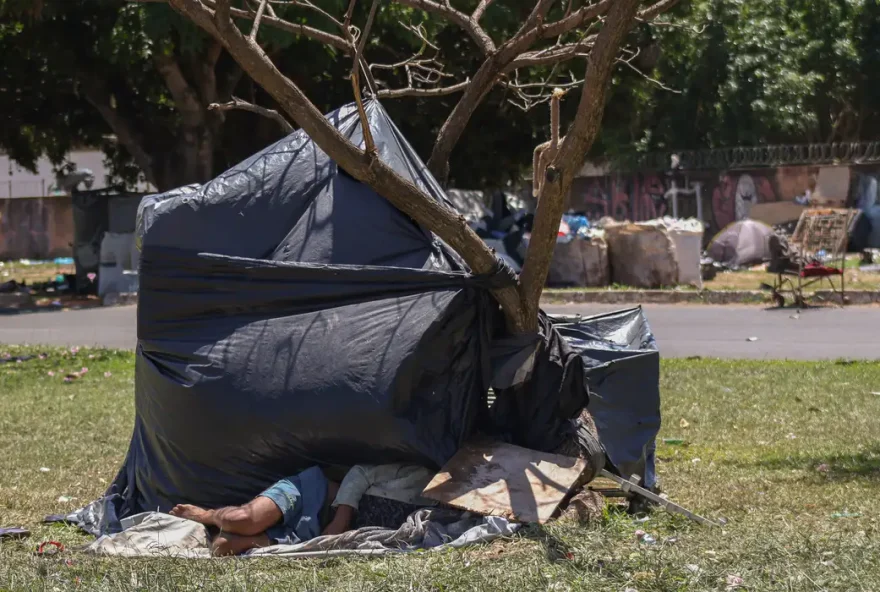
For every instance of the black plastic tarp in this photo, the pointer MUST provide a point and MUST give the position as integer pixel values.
(622, 369)
(289, 316)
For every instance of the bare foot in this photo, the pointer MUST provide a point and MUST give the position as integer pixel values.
(191, 512)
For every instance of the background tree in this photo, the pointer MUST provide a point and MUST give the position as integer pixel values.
(750, 72)
(136, 80)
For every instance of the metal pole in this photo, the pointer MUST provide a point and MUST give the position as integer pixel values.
(674, 192)
(699, 201)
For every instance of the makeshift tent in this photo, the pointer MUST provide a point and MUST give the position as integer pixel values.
(289, 316)
(741, 243)
(622, 369)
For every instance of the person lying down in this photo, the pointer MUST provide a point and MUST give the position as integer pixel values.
(291, 511)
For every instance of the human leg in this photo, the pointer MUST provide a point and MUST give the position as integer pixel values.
(226, 543)
(251, 519)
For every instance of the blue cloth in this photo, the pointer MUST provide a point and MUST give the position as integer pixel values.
(300, 499)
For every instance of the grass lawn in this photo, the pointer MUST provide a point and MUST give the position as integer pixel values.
(788, 453)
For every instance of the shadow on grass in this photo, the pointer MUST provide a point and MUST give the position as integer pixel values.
(864, 464)
(554, 548)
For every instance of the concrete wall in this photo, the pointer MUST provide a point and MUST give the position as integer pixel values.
(36, 228)
(726, 195)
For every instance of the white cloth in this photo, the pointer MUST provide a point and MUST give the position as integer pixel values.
(153, 534)
(402, 483)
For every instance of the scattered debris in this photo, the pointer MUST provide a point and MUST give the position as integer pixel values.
(644, 537)
(683, 423)
(823, 468)
(752, 339)
(49, 548)
(695, 460)
(734, 582)
(65, 498)
(631, 485)
(791, 436)
(877, 393)
(673, 441)
(45, 469)
(693, 568)
(14, 532)
(108, 374)
(846, 514)
(7, 359)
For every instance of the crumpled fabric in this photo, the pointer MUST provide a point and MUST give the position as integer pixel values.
(153, 534)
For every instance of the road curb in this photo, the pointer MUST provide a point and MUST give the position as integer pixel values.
(550, 296)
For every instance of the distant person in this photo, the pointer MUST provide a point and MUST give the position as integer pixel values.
(293, 510)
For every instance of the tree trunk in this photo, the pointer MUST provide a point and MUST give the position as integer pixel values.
(569, 158)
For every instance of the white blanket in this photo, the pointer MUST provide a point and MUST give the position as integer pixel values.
(153, 534)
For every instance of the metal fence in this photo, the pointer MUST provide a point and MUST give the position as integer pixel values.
(748, 157)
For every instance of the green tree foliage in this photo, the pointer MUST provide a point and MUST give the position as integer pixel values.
(752, 72)
(77, 72)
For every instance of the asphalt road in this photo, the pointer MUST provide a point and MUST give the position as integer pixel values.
(681, 331)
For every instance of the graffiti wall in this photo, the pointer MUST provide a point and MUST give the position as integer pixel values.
(36, 228)
(725, 196)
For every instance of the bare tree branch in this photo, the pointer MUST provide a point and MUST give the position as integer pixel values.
(421, 68)
(348, 15)
(480, 10)
(313, 7)
(369, 143)
(469, 25)
(422, 92)
(257, 18)
(283, 25)
(657, 83)
(366, 33)
(553, 55)
(575, 19)
(239, 104)
(535, 18)
(656, 9)
(532, 94)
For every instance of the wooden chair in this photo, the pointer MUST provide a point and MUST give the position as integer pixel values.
(819, 246)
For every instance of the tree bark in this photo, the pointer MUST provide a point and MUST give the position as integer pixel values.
(128, 132)
(196, 145)
(578, 139)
